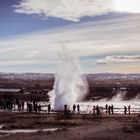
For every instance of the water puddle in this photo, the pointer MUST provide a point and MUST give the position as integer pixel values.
(15, 131)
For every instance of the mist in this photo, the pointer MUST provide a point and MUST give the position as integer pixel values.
(70, 85)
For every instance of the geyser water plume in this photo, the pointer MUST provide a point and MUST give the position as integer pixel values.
(70, 85)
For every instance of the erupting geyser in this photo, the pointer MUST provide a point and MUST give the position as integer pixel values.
(70, 85)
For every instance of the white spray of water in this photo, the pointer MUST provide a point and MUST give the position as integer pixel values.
(120, 96)
(118, 101)
(137, 97)
(70, 85)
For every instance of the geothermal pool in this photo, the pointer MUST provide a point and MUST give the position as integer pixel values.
(87, 107)
(117, 101)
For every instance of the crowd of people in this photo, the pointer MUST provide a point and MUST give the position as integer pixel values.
(34, 106)
(12, 104)
(109, 109)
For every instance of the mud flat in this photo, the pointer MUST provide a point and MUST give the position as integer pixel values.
(55, 126)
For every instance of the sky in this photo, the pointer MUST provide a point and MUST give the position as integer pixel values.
(103, 34)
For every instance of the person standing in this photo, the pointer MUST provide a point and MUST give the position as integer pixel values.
(112, 109)
(129, 107)
(109, 110)
(106, 108)
(22, 104)
(125, 109)
(97, 110)
(49, 108)
(65, 107)
(78, 109)
(94, 109)
(74, 107)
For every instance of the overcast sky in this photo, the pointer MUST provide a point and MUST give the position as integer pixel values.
(104, 34)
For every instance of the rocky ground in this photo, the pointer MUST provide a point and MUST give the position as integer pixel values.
(72, 127)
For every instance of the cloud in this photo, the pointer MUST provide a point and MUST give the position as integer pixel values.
(66, 9)
(119, 59)
(85, 39)
(91, 40)
(127, 6)
(73, 10)
(32, 54)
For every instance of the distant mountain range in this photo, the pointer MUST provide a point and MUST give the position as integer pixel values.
(113, 76)
(45, 76)
(26, 76)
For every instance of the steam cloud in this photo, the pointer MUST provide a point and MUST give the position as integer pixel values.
(70, 85)
(73, 10)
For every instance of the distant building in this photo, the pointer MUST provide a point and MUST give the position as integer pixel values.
(11, 91)
(19, 91)
(36, 91)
